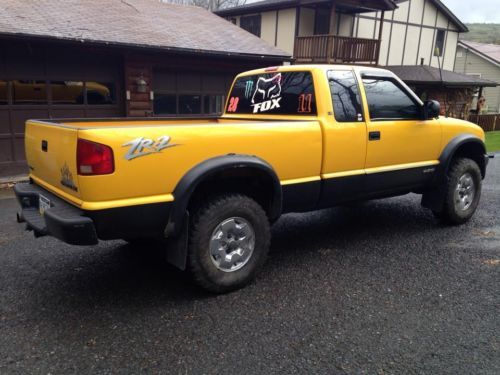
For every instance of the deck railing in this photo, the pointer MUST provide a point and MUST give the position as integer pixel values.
(336, 49)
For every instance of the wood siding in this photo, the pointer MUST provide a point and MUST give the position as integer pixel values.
(409, 34)
(468, 62)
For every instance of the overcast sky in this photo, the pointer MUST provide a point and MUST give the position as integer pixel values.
(475, 11)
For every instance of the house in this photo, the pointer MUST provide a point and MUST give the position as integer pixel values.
(110, 58)
(387, 32)
(454, 91)
(483, 61)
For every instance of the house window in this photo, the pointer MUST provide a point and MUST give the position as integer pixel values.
(322, 21)
(3, 92)
(67, 92)
(251, 24)
(29, 92)
(100, 92)
(213, 104)
(165, 104)
(438, 48)
(232, 20)
(189, 104)
(386, 101)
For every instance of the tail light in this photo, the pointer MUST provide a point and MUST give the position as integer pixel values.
(94, 158)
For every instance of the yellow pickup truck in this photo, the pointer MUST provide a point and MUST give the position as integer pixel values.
(291, 139)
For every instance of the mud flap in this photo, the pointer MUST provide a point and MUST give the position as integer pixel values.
(177, 246)
(434, 199)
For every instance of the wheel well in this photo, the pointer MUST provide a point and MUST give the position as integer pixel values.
(474, 151)
(252, 182)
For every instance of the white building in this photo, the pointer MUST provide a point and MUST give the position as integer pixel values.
(350, 30)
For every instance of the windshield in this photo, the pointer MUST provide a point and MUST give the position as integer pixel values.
(277, 93)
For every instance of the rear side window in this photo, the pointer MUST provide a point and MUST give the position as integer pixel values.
(279, 93)
(387, 101)
(345, 96)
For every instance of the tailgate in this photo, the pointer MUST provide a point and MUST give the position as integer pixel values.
(51, 156)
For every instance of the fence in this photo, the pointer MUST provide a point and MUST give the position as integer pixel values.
(487, 122)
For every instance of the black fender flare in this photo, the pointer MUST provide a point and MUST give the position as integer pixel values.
(190, 181)
(451, 148)
(434, 198)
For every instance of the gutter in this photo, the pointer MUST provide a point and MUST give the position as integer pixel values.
(177, 50)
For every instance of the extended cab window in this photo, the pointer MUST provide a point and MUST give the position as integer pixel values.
(278, 93)
(387, 101)
(345, 96)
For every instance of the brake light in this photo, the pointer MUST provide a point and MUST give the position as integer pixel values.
(94, 158)
(272, 69)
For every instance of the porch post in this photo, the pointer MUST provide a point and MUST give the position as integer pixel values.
(379, 43)
(297, 21)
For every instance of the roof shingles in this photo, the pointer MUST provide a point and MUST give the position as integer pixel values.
(423, 74)
(491, 51)
(142, 23)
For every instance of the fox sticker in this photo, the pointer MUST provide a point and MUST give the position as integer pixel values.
(268, 93)
(266, 89)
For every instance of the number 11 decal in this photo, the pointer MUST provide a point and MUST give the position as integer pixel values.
(305, 103)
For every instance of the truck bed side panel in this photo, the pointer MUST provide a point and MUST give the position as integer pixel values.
(293, 148)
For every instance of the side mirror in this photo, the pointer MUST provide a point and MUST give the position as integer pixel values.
(432, 109)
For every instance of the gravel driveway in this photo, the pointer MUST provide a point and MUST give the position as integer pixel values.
(377, 288)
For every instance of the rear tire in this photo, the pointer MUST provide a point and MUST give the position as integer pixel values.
(462, 192)
(228, 243)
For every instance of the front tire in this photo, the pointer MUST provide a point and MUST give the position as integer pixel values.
(229, 242)
(462, 193)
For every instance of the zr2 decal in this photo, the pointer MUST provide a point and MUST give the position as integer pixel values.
(143, 146)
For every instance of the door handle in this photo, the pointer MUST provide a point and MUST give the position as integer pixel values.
(374, 136)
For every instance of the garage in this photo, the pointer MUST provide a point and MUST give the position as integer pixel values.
(40, 81)
(105, 58)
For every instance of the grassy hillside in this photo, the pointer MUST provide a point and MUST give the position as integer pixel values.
(483, 33)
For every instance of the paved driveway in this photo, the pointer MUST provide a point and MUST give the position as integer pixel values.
(377, 288)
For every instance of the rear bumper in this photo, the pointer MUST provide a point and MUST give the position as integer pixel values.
(80, 227)
(61, 220)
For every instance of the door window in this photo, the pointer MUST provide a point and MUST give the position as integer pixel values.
(387, 101)
(345, 96)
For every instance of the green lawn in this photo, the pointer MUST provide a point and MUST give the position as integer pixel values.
(493, 141)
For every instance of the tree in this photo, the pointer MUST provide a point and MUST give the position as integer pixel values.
(211, 5)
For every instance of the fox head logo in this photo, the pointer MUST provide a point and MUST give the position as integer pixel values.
(266, 89)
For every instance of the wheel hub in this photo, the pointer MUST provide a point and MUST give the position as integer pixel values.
(464, 192)
(232, 244)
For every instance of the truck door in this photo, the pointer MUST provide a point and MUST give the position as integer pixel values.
(402, 148)
(344, 139)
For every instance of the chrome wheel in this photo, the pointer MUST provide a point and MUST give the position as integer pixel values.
(464, 192)
(232, 244)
